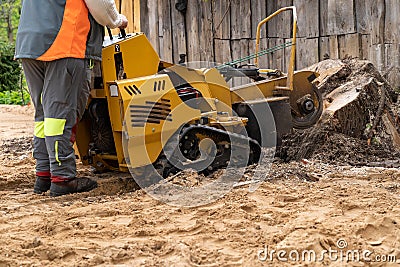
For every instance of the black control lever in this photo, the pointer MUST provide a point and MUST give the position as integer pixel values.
(123, 33)
(110, 33)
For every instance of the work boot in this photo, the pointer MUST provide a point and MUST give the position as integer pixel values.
(61, 187)
(42, 184)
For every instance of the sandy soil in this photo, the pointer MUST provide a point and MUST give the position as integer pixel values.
(305, 205)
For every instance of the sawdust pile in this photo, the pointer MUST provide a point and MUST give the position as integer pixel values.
(359, 125)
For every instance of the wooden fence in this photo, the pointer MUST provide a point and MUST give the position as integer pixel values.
(224, 30)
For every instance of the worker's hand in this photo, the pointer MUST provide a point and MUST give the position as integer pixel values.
(124, 22)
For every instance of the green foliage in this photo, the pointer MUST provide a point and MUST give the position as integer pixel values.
(11, 89)
(14, 97)
(9, 17)
(10, 70)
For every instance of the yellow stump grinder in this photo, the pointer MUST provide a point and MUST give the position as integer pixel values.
(145, 112)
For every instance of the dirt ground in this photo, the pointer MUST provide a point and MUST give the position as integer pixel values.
(303, 206)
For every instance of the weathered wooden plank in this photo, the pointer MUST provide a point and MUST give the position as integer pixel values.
(365, 47)
(144, 17)
(328, 47)
(392, 58)
(149, 21)
(240, 19)
(276, 60)
(252, 50)
(392, 22)
(165, 30)
(349, 45)
(127, 10)
(340, 17)
(287, 53)
(363, 17)
(323, 18)
(244, 52)
(244, 49)
(262, 60)
(370, 15)
(136, 15)
(377, 56)
(324, 52)
(392, 64)
(377, 22)
(222, 19)
(222, 50)
(240, 49)
(307, 52)
(235, 45)
(334, 47)
(308, 17)
(153, 34)
(280, 26)
(258, 13)
(205, 22)
(178, 33)
(160, 18)
(192, 33)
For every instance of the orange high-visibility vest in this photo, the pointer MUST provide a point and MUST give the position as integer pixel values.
(54, 29)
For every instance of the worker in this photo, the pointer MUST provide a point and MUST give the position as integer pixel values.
(57, 40)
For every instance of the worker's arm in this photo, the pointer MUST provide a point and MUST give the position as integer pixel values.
(106, 14)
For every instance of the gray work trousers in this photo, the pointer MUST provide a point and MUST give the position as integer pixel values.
(59, 90)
